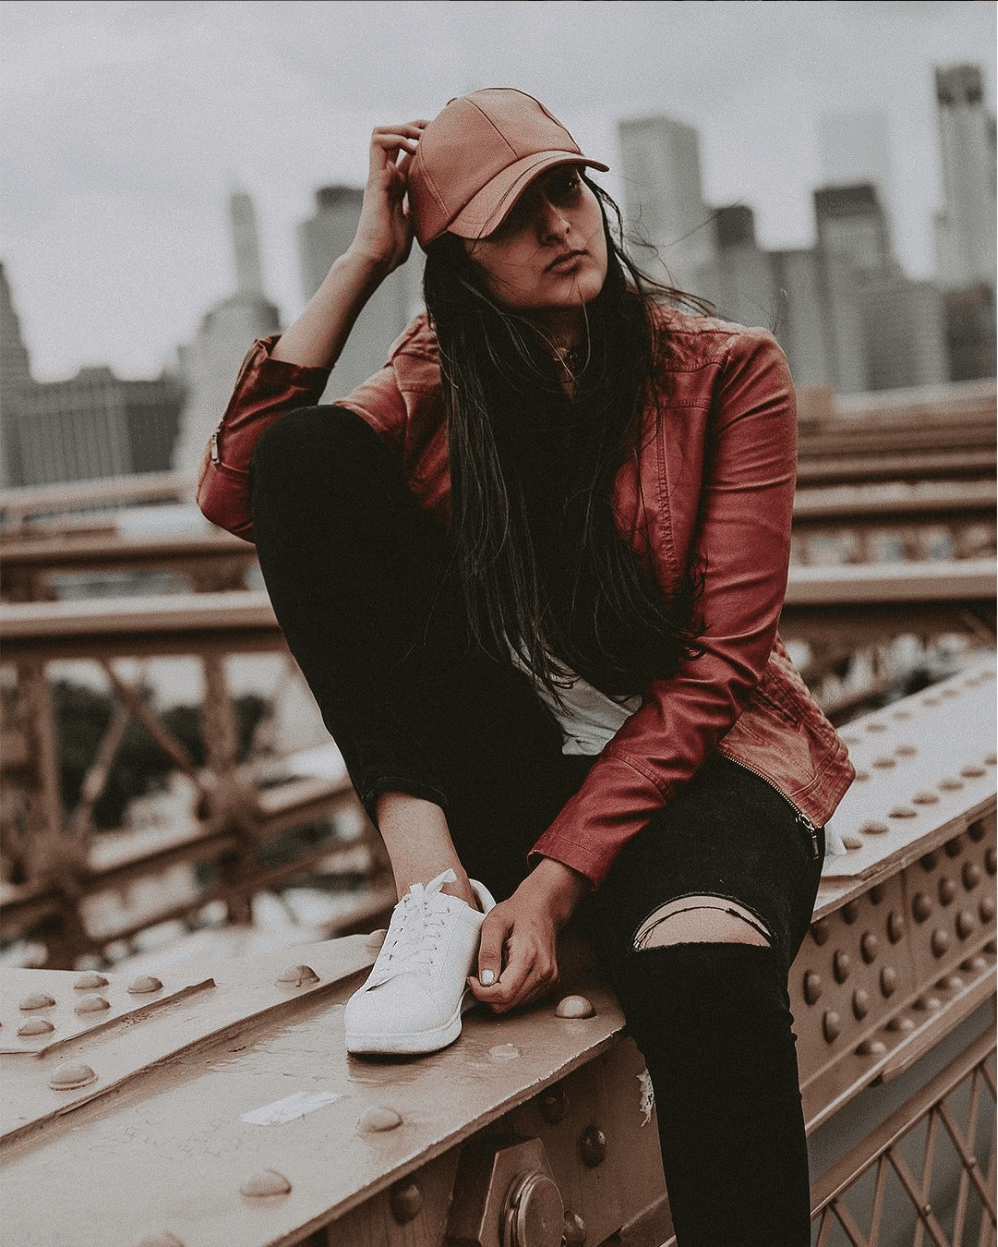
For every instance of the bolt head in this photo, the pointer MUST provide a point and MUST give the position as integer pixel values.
(592, 1146)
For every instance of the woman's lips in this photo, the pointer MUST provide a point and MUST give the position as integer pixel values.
(565, 260)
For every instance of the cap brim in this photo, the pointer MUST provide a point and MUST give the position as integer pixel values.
(485, 213)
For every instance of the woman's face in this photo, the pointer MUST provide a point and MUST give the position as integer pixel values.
(548, 258)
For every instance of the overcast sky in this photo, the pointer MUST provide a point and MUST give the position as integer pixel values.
(126, 124)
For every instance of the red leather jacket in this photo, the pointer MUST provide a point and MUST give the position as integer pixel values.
(723, 387)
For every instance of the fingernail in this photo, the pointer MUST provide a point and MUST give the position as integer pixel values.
(487, 978)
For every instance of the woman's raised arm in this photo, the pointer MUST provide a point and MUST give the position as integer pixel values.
(382, 242)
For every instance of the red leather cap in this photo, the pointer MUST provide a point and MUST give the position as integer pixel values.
(477, 157)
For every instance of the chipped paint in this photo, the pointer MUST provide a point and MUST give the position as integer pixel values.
(292, 1106)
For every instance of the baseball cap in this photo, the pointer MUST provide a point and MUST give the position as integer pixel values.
(476, 158)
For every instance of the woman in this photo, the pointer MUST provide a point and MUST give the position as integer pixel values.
(532, 571)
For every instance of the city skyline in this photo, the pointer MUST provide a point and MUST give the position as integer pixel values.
(113, 254)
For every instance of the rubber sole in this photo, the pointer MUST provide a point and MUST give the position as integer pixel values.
(410, 1043)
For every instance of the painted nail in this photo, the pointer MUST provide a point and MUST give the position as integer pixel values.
(487, 978)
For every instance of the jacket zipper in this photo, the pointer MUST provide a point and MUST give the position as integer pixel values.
(214, 447)
(802, 818)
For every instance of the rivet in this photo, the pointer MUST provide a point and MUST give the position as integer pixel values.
(70, 1075)
(89, 981)
(852, 843)
(406, 1201)
(840, 966)
(901, 1024)
(874, 827)
(974, 964)
(977, 831)
(860, 1003)
(832, 1026)
(35, 1026)
(901, 714)
(930, 701)
(921, 907)
(819, 932)
(553, 1104)
(950, 785)
(954, 847)
(504, 1052)
(929, 861)
(850, 911)
(925, 798)
(951, 983)
(592, 1146)
(991, 947)
(376, 1120)
(91, 1004)
(852, 740)
(964, 923)
(573, 1231)
(871, 1047)
(895, 928)
(575, 1007)
(36, 1000)
(876, 893)
(376, 939)
(888, 981)
(868, 946)
(991, 759)
(971, 875)
(876, 726)
(144, 984)
(166, 1239)
(906, 751)
(861, 775)
(928, 1004)
(903, 811)
(987, 908)
(991, 861)
(297, 976)
(972, 772)
(951, 692)
(885, 762)
(265, 1182)
(812, 987)
(939, 942)
(947, 891)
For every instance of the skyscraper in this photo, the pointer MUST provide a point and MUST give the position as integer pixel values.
(663, 194)
(324, 237)
(851, 222)
(965, 224)
(15, 381)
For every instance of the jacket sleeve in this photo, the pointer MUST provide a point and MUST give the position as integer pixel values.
(264, 390)
(743, 545)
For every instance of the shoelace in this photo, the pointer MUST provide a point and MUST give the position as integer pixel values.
(416, 928)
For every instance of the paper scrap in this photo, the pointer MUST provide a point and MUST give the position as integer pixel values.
(292, 1106)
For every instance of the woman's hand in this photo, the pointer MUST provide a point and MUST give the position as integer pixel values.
(384, 231)
(519, 937)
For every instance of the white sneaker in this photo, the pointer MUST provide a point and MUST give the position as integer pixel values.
(415, 994)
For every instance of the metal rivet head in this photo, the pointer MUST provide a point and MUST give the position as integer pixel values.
(840, 966)
(947, 891)
(939, 942)
(991, 947)
(812, 987)
(991, 861)
(166, 1239)
(964, 923)
(949, 784)
(70, 1075)
(852, 843)
(819, 932)
(921, 907)
(553, 1104)
(930, 701)
(991, 759)
(928, 1004)
(850, 911)
(987, 908)
(874, 827)
(592, 1146)
(895, 928)
(951, 983)
(871, 1047)
(297, 976)
(954, 847)
(901, 715)
(906, 750)
(876, 726)
(265, 1182)
(376, 1120)
(925, 798)
(972, 772)
(885, 762)
(573, 1231)
(876, 893)
(91, 1004)
(860, 1003)
(977, 831)
(36, 1000)
(971, 875)
(868, 947)
(861, 775)
(974, 965)
(903, 811)
(831, 1025)
(406, 1201)
(929, 861)
(888, 981)
(144, 984)
(575, 1007)
(902, 1025)
(90, 981)
(35, 1026)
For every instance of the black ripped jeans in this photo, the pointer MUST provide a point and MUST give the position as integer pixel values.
(358, 575)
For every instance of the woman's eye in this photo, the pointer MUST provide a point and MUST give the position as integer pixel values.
(565, 185)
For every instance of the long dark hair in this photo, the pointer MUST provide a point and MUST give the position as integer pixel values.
(535, 539)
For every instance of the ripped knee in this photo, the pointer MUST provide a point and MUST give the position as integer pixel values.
(701, 920)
